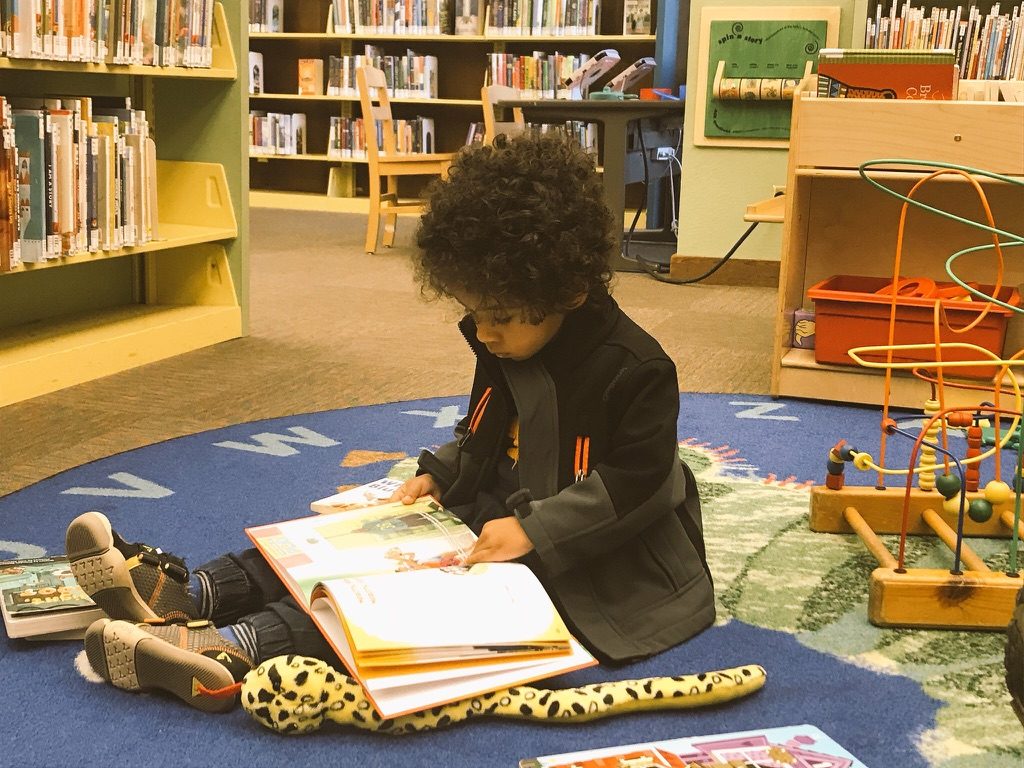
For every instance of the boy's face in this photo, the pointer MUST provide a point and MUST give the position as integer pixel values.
(505, 331)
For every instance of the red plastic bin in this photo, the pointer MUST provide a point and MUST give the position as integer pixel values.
(853, 311)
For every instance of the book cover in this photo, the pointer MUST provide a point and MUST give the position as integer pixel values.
(29, 135)
(275, 16)
(255, 72)
(311, 77)
(636, 17)
(882, 74)
(386, 587)
(469, 17)
(796, 746)
(40, 599)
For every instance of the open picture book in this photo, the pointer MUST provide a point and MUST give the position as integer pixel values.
(386, 586)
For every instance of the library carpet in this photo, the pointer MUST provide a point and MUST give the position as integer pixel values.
(789, 599)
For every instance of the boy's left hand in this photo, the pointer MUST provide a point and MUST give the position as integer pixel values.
(500, 540)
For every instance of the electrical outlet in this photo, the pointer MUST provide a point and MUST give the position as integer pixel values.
(664, 153)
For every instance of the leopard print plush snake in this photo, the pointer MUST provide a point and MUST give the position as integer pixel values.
(297, 694)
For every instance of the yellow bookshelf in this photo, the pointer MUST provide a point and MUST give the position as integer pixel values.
(76, 319)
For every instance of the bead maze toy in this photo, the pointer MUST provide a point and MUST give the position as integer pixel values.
(949, 502)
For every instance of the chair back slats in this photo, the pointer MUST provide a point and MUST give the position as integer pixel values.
(385, 164)
(489, 96)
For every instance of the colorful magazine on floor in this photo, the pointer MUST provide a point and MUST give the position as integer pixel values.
(795, 746)
(40, 600)
(386, 585)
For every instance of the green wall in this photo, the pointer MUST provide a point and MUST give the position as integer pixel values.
(719, 182)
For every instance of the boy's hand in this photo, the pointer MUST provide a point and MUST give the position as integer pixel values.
(413, 488)
(500, 540)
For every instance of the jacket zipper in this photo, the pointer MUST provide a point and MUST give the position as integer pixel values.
(581, 463)
(478, 414)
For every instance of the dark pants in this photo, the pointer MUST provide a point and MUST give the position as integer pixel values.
(247, 591)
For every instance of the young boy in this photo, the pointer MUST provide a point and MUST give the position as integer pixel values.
(567, 460)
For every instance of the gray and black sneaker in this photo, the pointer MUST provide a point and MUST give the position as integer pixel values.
(188, 659)
(131, 582)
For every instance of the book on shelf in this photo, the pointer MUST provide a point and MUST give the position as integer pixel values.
(311, 77)
(40, 600)
(861, 73)
(469, 17)
(636, 17)
(255, 72)
(11, 217)
(780, 747)
(386, 587)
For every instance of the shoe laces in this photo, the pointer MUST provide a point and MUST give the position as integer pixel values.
(170, 564)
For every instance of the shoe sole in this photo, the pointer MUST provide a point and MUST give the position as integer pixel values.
(134, 660)
(101, 570)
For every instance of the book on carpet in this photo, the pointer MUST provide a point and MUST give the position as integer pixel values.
(782, 747)
(41, 600)
(386, 586)
(865, 73)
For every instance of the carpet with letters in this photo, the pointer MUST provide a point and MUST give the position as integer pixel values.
(789, 599)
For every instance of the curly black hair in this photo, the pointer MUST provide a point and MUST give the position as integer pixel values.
(522, 223)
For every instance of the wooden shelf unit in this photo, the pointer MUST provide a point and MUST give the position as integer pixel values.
(462, 62)
(835, 222)
(72, 320)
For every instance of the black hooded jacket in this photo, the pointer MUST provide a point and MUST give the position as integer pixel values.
(612, 512)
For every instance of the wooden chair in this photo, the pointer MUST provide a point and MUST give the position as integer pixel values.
(385, 163)
(489, 96)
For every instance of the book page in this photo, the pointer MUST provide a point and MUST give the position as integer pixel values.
(385, 538)
(447, 614)
(400, 694)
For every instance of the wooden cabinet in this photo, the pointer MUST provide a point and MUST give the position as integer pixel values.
(838, 223)
(303, 181)
(70, 320)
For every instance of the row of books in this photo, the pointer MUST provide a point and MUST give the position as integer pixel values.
(411, 76)
(277, 133)
(535, 76)
(78, 175)
(986, 47)
(281, 133)
(266, 15)
(347, 136)
(167, 33)
(468, 17)
(585, 133)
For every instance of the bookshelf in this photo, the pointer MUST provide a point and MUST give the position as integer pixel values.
(281, 181)
(837, 223)
(75, 319)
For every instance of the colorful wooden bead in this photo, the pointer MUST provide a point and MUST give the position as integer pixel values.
(980, 511)
(947, 485)
(951, 506)
(862, 461)
(997, 492)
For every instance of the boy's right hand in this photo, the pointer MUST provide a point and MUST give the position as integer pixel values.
(413, 488)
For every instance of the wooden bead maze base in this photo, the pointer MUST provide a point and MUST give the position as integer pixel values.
(975, 598)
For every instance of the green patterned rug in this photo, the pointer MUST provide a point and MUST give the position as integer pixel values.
(772, 571)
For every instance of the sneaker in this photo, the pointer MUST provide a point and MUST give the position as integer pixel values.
(190, 659)
(132, 582)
